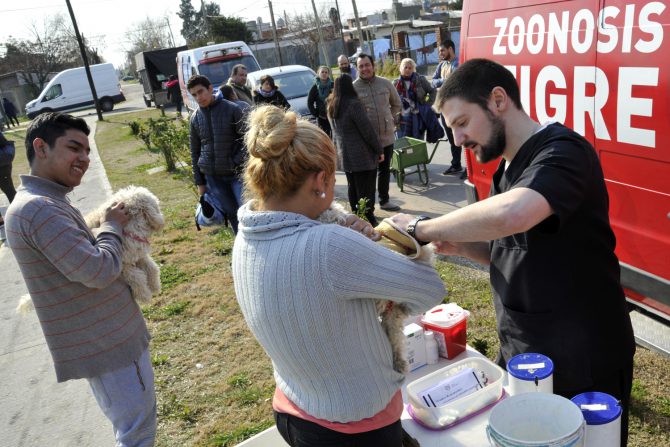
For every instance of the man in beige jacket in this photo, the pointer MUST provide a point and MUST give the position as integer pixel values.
(382, 105)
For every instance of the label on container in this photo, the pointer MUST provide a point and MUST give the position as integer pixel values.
(594, 407)
(528, 366)
(454, 387)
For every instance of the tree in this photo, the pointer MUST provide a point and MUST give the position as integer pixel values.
(149, 34)
(198, 28)
(304, 33)
(187, 14)
(52, 48)
(223, 29)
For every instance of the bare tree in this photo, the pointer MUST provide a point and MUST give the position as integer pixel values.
(304, 33)
(149, 34)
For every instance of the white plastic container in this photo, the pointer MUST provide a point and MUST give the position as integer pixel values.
(602, 413)
(460, 409)
(536, 419)
(530, 372)
(432, 350)
(415, 346)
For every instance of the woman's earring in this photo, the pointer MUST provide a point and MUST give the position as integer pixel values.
(323, 195)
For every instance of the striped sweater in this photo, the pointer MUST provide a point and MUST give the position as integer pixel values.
(88, 317)
(307, 292)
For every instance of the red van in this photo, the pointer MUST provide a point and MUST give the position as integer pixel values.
(602, 68)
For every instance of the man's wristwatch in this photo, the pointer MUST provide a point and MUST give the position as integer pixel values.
(411, 228)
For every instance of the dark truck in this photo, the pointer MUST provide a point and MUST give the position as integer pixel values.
(153, 70)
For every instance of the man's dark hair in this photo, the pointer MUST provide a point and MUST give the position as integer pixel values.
(363, 56)
(474, 81)
(448, 43)
(342, 88)
(198, 80)
(49, 127)
(228, 92)
(237, 68)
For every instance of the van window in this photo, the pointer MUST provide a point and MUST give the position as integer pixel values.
(219, 72)
(54, 92)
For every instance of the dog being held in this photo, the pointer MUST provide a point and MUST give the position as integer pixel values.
(139, 270)
(392, 314)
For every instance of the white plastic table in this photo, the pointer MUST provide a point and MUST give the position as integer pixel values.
(470, 433)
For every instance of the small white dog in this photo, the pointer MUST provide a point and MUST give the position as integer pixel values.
(139, 270)
(391, 314)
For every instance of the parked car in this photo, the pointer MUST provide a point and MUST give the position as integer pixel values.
(294, 81)
(128, 78)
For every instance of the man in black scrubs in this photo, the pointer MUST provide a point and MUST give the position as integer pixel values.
(544, 232)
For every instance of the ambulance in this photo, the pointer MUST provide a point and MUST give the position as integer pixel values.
(215, 61)
(600, 67)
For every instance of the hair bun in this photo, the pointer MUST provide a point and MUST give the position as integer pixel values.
(271, 131)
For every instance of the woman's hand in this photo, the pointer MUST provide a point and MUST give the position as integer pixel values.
(357, 224)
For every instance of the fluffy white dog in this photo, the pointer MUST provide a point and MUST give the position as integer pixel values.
(140, 271)
(391, 314)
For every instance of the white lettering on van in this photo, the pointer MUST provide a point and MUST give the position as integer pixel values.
(586, 105)
(607, 30)
(554, 75)
(586, 29)
(501, 24)
(581, 30)
(650, 27)
(629, 106)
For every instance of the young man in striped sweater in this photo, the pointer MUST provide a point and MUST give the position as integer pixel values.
(93, 327)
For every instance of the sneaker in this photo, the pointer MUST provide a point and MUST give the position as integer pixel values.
(452, 170)
(464, 175)
(389, 206)
(2, 233)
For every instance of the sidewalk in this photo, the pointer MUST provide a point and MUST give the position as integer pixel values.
(36, 410)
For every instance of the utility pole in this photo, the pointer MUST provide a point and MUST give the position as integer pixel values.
(85, 58)
(339, 21)
(170, 29)
(274, 33)
(321, 41)
(358, 25)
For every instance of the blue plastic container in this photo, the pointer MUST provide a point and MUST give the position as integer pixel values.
(530, 372)
(602, 414)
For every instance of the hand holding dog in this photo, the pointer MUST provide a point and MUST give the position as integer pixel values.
(117, 213)
(357, 224)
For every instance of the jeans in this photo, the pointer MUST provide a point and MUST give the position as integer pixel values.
(301, 433)
(384, 175)
(126, 396)
(455, 150)
(228, 189)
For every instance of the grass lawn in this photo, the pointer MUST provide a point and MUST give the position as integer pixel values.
(213, 381)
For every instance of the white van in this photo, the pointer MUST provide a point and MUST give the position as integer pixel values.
(69, 90)
(213, 61)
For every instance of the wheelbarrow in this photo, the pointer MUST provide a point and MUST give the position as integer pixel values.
(408, 153)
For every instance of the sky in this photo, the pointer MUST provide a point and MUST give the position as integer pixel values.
(107, 22)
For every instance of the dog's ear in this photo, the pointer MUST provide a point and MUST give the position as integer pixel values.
(154, 217)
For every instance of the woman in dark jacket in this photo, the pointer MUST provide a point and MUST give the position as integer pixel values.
(316, 100)
(268, 93)
(412, 89)
(358, 146)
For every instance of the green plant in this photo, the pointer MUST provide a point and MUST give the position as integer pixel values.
(135, 127)
(362, 208)
(159, 359)
(389, 69)
(173, 408)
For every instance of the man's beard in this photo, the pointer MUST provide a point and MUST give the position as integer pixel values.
(346, 69)
(495, 146)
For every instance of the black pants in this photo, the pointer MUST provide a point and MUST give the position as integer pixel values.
(301, 433)
(384, 175)
(324, 124)
(12, 118)
(6, 184)
(455, 150)
(362, 185)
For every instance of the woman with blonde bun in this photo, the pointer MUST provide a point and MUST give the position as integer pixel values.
(307, 290)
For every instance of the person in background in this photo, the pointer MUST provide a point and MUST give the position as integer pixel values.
(10, 111)
(92, 325)
(238, 81)
(6, 183)
(306, 299)
(382, 104)
(217, 148)
(357, 144)
(449, 63)
(414, 91)
(316, 100)
(268, 93)
(346, 67)
(174, 92)
(545, 234)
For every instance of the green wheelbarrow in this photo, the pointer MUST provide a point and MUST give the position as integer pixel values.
(411, 153)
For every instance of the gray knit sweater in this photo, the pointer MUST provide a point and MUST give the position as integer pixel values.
(306, 290)
(90, 321)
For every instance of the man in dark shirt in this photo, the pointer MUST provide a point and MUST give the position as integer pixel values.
(545, 233)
